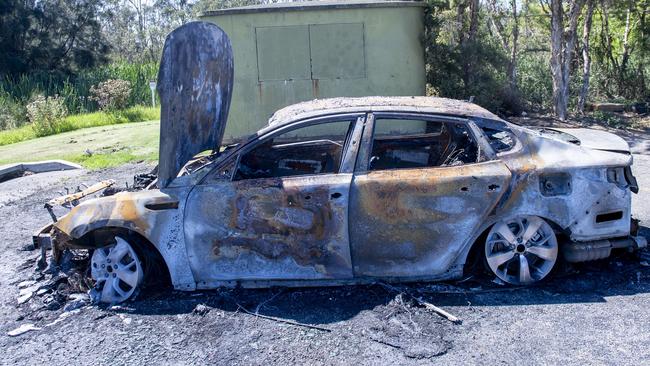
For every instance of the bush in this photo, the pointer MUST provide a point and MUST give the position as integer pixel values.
(111, 95)
(47, 115)
(12, 114)
(74, 89)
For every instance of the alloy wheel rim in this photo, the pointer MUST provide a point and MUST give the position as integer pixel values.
(522, 250)
(117, 271)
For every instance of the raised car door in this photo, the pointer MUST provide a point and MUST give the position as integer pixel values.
(422, 189)
(277, 210)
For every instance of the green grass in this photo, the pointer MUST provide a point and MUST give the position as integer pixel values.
(86, 120)
(94, 148)
(16, 135)
(101, 161)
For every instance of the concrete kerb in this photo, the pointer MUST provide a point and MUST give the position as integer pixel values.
(11, 171)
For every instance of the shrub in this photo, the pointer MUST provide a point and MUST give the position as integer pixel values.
(47, 115)
(12, 113)
(111, 95)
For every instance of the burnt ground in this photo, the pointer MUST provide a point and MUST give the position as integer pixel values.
(593, 313)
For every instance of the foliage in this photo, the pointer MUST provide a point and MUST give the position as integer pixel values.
(46, 114)
(76, 122)
(111, 95)
(58, 47)
(449, 54)
(54, 36)
(611, 119)
(75, 90)
(12, 114)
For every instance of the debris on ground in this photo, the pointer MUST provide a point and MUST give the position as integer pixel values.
(201, 309)
(77, 301)
(283, 320)
(423, 303)
(27, 327)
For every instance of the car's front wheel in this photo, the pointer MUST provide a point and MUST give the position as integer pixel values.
(521, 250)
(117, 271)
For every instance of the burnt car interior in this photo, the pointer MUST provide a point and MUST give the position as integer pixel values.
(409, 143)
(500, 139)
(315, 149)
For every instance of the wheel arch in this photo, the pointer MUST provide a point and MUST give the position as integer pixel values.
(467, 257)
(155, 263)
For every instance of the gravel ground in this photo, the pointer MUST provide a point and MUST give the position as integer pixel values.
(594, 313)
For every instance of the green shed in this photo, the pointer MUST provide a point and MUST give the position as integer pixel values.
(286, 53)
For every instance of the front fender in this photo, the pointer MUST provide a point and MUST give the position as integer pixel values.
(156, 215)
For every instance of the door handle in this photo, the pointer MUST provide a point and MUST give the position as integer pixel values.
(159, 206)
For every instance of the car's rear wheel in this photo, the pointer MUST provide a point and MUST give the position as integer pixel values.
(522, 250)
(117, 271)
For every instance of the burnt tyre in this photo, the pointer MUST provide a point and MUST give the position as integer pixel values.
(522, 250)
(117, 271)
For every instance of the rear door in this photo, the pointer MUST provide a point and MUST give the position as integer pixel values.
(422, 188)
(278, 210)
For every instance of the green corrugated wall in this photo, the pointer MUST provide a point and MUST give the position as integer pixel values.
(284, 57)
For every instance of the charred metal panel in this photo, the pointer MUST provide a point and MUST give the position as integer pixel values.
(555, 184)
(590, 194)
(128, 210)
(195, 85)
(414, 222)
(264, 229)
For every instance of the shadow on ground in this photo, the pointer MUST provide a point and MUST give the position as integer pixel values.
(591, 282)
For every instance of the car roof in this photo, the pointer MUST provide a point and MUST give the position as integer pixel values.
(433, 105)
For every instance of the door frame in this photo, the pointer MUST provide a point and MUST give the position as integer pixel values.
(348, 158)
(231, 161)
(489, 158)
(363, 156)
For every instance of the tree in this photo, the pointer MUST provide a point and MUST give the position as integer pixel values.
(586, 57)
(137, 29)
(54, 35)
(563, 40)
(499, 16)
(14, 24)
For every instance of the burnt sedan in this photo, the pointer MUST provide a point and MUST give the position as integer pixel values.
(356, 190)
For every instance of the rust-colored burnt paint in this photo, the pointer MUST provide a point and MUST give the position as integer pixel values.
(278, 228)
(413, 222)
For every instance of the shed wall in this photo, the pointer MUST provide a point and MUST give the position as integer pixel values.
(283, 58)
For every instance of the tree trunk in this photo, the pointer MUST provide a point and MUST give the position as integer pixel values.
(512, 65)
(586, 57)
(626, 43)
(557, 22)
(468, 69)
(562, 48)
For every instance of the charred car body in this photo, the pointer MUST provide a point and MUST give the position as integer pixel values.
(355, 190)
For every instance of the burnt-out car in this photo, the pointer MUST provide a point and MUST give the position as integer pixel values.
(356, 190)
(343, 191)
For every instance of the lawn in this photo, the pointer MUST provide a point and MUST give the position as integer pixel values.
(94, 148)
(79, 121)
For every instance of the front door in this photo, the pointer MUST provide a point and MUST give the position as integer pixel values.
(419, 196)
(281, 213)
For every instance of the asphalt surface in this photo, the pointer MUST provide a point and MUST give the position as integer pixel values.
(595, 313)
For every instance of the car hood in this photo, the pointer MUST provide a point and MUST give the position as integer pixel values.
(595, 139)
(195, 84)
